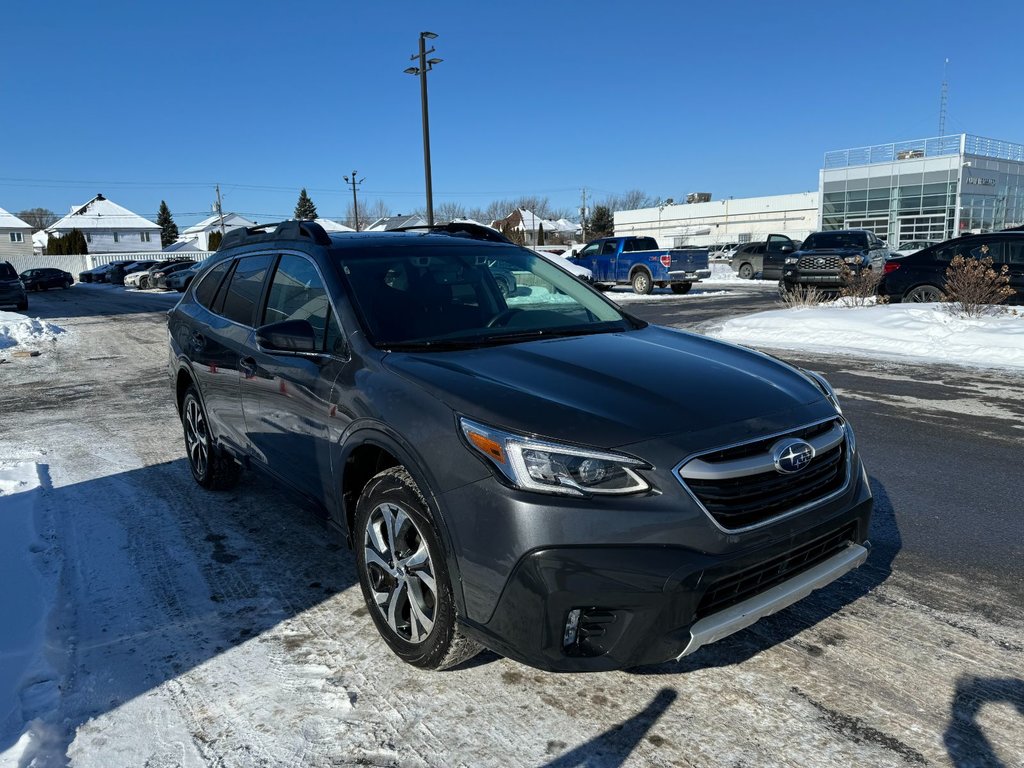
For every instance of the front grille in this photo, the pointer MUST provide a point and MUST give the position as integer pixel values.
(757, 495)
(830, 263)
(738, 587)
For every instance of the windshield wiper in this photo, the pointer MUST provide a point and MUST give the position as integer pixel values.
(544, 333)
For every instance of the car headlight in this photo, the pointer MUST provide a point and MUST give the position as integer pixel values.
(852, 259)
(826, 389)
(792, 260)
(539, 465)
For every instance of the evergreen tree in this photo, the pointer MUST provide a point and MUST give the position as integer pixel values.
(168, 229)
(213, 241)
(601, 222)
(305, 210)
(540, 234)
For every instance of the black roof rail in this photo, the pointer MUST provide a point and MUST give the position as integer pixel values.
(281, 230)
(459, 229)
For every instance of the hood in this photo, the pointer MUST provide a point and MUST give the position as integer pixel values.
(610, 390)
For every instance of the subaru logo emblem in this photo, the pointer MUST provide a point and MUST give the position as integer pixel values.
(792, 456)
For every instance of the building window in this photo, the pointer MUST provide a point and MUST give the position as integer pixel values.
(17, 237)
(117, 238)
(144, 237)
(88, 237)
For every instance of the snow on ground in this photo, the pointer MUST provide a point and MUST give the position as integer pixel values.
(919, 332)
(721, 272)
(27, 680)
(19, 330)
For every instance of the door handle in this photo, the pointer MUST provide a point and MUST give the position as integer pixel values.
(197, 341)
(247, 365)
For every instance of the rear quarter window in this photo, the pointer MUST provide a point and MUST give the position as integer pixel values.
(246, 288)
(206, 290)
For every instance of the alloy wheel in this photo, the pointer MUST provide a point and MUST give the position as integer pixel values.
(197, 439)
(400, 572)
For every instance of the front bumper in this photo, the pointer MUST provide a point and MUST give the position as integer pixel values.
(791, 278)
(652, 603)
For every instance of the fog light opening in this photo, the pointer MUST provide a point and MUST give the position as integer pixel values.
(572, 627)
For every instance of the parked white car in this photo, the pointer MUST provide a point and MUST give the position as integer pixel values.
(564, 263)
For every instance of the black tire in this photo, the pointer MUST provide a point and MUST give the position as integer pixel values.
(681, 288)
(504, 288)
(746, 271)
(397, 545)
(923, 293)
(22, 306)
(211, 468)
(67, 284)
(642, 283)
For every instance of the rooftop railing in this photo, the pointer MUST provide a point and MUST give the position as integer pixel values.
(933, 147)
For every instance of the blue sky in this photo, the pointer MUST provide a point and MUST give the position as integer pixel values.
(159, 101)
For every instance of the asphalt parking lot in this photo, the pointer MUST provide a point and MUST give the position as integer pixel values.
(228, 629)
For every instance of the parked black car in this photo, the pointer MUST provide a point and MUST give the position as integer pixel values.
(826, 258)
(763, 258)
(180, 279)
(921, 276)
(158, 275)
(541, 474)
(42, 278)
(12, 290)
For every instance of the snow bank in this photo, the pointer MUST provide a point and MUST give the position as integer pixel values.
(721, 272)
(27, 686)
(19, 330)
(921, 332)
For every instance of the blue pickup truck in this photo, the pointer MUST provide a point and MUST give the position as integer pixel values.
(638, 261)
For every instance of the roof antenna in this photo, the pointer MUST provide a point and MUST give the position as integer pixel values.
(942, 101)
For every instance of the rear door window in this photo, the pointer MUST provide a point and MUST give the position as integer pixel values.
(246, 288)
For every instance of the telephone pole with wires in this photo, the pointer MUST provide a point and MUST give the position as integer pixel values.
(220, 212)
(351, 181)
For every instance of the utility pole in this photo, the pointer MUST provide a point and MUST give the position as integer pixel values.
(583, 214)
(355, 203)
(220, 212)
(942, 101)
(425, 66)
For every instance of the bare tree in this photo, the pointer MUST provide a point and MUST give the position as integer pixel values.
(449, 211)
(369, 212)
(630, 201)
(38, 218)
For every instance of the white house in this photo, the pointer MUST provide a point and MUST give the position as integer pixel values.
(200, 233)
(15, 236)
(530, 224)
(109, 228)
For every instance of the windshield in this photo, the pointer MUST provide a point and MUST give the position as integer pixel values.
(835, 240)
(467, 295)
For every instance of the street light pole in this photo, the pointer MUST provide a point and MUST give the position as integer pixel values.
(425, 66)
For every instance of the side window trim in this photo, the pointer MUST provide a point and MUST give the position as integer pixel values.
(217, 304)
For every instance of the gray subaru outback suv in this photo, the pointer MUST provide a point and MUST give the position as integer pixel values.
(539, 473)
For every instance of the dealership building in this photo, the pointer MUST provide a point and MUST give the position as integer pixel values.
(723, 221)
(928, 189)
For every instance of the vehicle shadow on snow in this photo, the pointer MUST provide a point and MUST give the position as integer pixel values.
(168, 576)
(886, 542)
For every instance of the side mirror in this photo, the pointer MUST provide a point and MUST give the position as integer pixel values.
(289, 336)
(787, 248)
